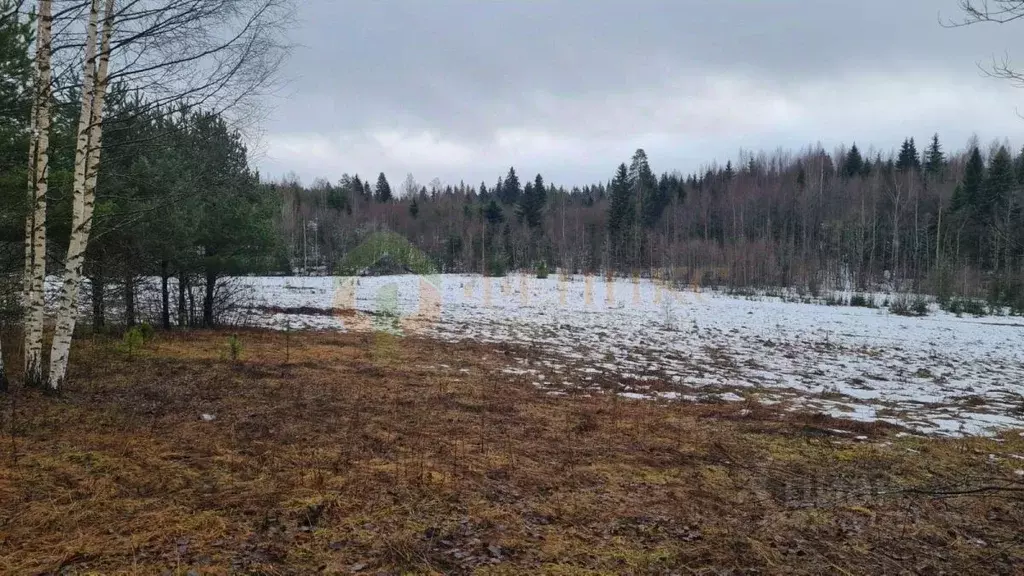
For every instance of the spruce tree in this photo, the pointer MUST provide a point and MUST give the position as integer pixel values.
(520, 207)
(383, 192)
(641, 178)
(999, 185)
(1018, 164)
(620, 211)
(971, 186)
(357, 186)
(494, 213)
(510, 190)
(414, 209)
(966, 206)
(534, 198)
(908, 158)
(337, 198)
(854, 163)
(995, 204)
(935, 161)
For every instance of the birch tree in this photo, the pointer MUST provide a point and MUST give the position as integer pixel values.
(213, 54)
(38, 178)
(87, 153)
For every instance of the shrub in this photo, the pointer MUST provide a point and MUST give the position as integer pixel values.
(862, 301)
(907, 305)
(497, 268)
(919, 307)
(960, 306)
(147, 331)
(1006, 292)
(234, 347)
(132, 341)
(542, 270)
(833, 300)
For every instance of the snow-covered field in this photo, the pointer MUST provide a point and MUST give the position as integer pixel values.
(938, 374)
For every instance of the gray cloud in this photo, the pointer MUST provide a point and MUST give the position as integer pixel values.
(464, 88)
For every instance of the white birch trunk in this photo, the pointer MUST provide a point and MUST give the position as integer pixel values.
(87, 155)
(33, 145)
(35, 226)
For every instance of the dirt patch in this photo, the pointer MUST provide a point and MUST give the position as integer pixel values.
(362, 453)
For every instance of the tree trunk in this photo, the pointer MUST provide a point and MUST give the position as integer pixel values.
(182, 306)
(35, 229)
(129, 297)
(211, 283)
(3, 372)
(165, 297)
(191, 306)
(87, 156)
(99, 305)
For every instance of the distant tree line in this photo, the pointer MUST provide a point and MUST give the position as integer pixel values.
(929, 221)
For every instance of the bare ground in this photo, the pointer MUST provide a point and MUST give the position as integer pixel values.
(371, 454)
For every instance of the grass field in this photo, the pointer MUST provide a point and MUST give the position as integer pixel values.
(374, 454)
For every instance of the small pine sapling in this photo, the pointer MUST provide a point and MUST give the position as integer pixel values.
(132, 341)
(234, 347)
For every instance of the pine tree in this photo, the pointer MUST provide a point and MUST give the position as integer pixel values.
(16, 73)
(854, 163)
(969, 198)
(357, 186)
(1018, 164)
(337, 198)
(908, 158)
(935, 160)
(658, 200)
(999, 183)
(493, 213)
(482, 192)
(534, 198)
(996, 206)
(643, 186)
(414, 209)
(383, 192)
(510, 189)
(621, 214)
(520, 207)
(620, 211)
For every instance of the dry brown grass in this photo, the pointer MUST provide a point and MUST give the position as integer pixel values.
(364, 455)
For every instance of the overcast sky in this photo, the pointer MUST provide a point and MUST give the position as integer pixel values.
(462, 89)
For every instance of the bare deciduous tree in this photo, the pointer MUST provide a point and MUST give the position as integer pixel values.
(38, 178)
(993, 12)
(87, 152)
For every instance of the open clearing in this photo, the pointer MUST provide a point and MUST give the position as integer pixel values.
(940, 374)
(348, 453)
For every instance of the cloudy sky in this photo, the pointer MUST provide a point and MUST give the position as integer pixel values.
(462, 89)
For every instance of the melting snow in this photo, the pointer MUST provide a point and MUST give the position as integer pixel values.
(938, 374)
